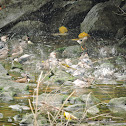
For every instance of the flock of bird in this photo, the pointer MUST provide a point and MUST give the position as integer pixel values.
(18, 49)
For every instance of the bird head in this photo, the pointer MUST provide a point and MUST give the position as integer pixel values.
(83, 37)
(4, 38)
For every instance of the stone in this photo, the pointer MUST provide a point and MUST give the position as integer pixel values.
(29, 28)
(19, 107)
(1, 115)
(118, 105)
(70, 13)
(18, 10)
(93, 110)
(72, 52)
(101, 20)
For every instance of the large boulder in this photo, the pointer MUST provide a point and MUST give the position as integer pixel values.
(15, 11)
(69, 13)
(103, 19)
(30, 28)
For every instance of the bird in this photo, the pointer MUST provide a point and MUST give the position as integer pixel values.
(49, 64)
(18, 49)
(23, 80)
(83, 37)
(3, 47)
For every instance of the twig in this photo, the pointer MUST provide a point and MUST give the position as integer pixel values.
(63, 104)
(105, 115)
(85, 111)
(31, 107)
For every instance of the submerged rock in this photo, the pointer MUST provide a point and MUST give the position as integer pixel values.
(72, 52)
(118, 105)
(19, 107)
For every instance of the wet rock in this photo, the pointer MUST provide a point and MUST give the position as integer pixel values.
(80, 83)
(118, 105)
(120, 76)
(17, 117)
(121, 33)
(72, 52)
(1, 115)
(18, 10)
(105, 81)
(93, 110)
(24, 58)
(122, 43)
(103, 21)
(73, 14)
(6, 97)
(107, 51)
(61, 76)
(29, 120)
(19, 107)
(105, 70)
(120, 60)
(3, 50)
(29, 28)
(75, 107)
(3, 72)
(16, 64)
(90, 99)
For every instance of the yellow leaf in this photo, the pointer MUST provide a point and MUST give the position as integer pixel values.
(63, 29)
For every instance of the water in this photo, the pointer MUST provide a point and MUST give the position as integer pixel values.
(103, 92)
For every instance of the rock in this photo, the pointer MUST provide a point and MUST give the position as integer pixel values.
(121, 33)
(24, 58)
(116, 2)
(93, 110)
(16, 65)
(61, 76)
(29, 28)
(122, 43)
(18, 10)
(120, 60)
(72, 52)
(1, 115)
(6, 97)
(105, 81)
(105, 70)
(118, 105)
(17, 117)
(27, 120)
(3, 72)
(80, 83)
(90, 99)
(101, 20)
(19, 108)
(74, 107)
(3, 50)
(107, 51)
(70, 13)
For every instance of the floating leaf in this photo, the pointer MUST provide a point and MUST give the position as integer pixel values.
(63, 29)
